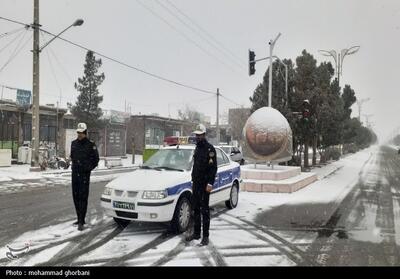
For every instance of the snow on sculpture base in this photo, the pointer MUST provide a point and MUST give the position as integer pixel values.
(279, 179)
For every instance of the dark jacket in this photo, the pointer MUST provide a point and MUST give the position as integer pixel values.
(205, 163)
(84, 155)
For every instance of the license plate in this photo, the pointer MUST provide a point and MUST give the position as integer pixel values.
(124, 205)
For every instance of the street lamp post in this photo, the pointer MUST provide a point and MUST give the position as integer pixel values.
(339, 58)
(367, 122)
(271, 48)
(36, 79)
(360, 104)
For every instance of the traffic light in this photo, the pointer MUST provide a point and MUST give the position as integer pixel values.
(252, 63)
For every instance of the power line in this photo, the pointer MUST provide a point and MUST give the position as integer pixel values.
(120, 62)
(196, 32)
(185, 36)
(15, 21)
(132, 67)
(16, 51)
(52, 68)
(203, 30)
(60, 64)
(12, 41)
(229, 100)
(11, 32)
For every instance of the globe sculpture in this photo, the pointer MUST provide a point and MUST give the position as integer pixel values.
(268, 135)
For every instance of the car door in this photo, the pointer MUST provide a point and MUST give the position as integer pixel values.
(224, 178)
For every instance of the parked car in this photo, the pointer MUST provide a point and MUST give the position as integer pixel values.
(234, 153)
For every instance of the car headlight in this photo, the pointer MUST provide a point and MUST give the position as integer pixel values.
(107, 191)
(155, 195)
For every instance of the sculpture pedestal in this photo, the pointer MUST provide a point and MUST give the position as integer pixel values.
(279, 179)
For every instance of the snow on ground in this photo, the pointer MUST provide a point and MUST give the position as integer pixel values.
(18, 172)
(21, 172)
(394, 146)
(123, 243)
(39, 238)
(333, 187)
(396, 210)
(126, 162)
(45, 255)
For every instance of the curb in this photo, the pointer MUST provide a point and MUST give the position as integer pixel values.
(93, 172)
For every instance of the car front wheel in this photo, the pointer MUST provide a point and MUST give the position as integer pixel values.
(233, 197)
(181, 220)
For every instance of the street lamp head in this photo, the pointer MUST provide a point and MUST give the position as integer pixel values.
(352, 50)
(78, 22)
(328, 53)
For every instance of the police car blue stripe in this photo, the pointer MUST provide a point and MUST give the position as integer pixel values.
(232, 173)
(179, 188)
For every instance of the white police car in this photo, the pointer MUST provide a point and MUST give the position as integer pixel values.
(160, 190)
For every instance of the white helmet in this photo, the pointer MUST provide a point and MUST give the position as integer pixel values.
(200, 129)
(81, 127)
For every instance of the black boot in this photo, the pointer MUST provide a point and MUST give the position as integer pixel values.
(192, 237)
(204, 241)
(80, 227)
(77, 223)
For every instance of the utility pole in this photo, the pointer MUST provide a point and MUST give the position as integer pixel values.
(35, 84)
(367, 122)
(35, 89)
(360, 104)
(271, 48)
(218, 134)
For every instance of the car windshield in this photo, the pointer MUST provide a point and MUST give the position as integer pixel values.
(170, 159)
(226, 149)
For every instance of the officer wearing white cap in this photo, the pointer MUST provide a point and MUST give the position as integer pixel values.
(85, 158)
(203, 177)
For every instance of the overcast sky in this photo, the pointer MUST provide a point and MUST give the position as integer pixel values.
(154, 40)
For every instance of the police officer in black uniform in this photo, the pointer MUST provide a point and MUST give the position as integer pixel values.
(203, 177)
(85, 158)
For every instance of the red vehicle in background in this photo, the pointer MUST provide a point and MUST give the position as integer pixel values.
(175, 140)
(172, 140)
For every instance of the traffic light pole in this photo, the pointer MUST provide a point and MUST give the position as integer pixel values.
(252, 69)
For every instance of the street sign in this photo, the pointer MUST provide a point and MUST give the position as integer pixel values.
(23, 97)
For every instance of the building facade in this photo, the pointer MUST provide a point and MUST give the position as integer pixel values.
(57, 130)
(16, 127)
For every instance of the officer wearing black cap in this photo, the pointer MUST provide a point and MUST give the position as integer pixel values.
(85, 158)
(203, 177)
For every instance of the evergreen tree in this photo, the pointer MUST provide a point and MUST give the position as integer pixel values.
(349, 98)
(87, 107)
